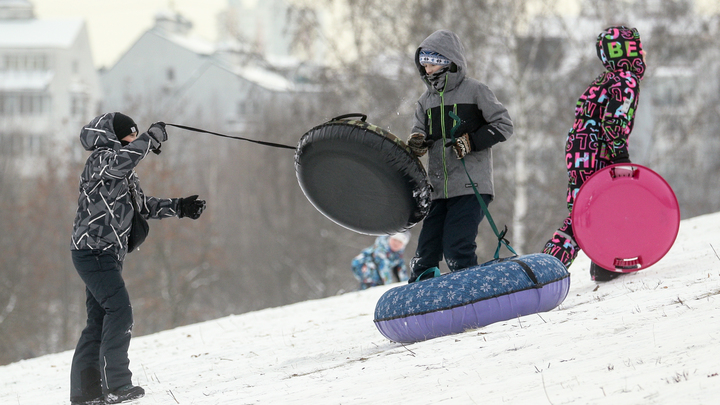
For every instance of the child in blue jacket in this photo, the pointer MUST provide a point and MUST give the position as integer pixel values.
(383, 262)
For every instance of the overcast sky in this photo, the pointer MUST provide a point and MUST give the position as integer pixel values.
(114, 25)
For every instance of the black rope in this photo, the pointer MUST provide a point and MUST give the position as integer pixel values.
(272, 144)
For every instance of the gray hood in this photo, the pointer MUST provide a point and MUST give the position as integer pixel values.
(447, 44)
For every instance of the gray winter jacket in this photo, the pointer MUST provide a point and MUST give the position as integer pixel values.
(481, 116)
(105, 209)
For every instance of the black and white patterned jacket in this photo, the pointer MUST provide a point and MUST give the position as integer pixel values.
(105, 210)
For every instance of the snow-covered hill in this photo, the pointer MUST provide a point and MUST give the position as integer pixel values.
(652, 337)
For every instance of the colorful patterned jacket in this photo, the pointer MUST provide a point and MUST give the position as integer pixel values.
(105, 210)
(378, 264)
(607, 108)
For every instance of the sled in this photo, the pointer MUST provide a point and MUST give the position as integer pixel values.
(625, 217)
(492, 292)
(362, 177)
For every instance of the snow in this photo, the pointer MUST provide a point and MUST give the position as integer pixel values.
(194, 44)
(46, 33)
(265, 78)
(651, 337)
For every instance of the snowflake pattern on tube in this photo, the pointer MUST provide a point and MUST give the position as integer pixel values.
(483, 282)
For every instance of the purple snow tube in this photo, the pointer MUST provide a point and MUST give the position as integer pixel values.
(453, 303)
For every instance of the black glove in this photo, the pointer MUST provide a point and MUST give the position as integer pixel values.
(158, 135)
(190, 207)
(418, 144)
(486, 137)
(621, 159)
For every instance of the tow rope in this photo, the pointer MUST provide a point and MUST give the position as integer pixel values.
(271, 144)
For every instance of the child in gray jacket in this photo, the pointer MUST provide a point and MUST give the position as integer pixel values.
(457, 121)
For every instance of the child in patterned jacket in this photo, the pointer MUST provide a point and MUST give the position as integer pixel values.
(604, 119)
(109, 193)
(382, 262)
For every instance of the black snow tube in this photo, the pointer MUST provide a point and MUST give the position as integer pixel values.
(362, 177)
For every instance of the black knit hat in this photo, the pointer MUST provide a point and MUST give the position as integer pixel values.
(123, 125)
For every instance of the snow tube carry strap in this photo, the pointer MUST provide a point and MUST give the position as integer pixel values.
(362, 116)
(500, 235)
(526, 268)
(531, 275)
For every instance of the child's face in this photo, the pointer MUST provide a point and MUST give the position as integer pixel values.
(430, 68)
(395, 244)
(131, 137)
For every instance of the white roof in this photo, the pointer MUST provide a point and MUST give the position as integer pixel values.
(39, 33)
(262, 77)
(265, 78)
(192, 43)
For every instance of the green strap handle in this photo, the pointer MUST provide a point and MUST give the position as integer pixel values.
(500, 235)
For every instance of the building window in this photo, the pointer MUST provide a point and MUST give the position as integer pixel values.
(12, 104)
(671, 90)
(25, 62)
(5, 104)
(33, 145)
(78, 105)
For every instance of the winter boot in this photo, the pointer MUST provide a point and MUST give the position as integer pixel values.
(84, 401)
(600, 274)
(124, 393)
(432, 272)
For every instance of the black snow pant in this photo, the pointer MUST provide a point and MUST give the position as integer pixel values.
(449, 230)
(100, 363)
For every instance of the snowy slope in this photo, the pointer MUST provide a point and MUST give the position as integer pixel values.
(652, 337)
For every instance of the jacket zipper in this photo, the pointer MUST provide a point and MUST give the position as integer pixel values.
(429, 114)
(442, 127)
(455, 111)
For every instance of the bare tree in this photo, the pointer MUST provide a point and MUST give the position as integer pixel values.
(260, 243)
(538, 65)
(524, 69)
